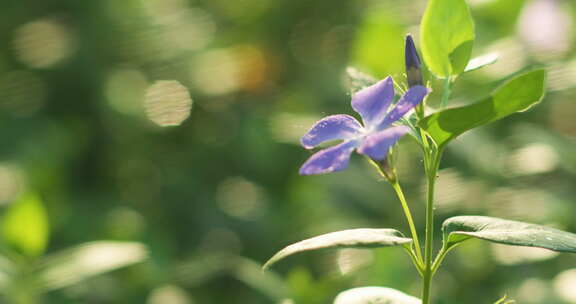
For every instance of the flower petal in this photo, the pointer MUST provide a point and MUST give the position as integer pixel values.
(331, 127)
(372, 102)
(329, 160)
(412, 98)
(377, 145)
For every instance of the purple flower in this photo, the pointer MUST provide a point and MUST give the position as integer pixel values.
(373, 139)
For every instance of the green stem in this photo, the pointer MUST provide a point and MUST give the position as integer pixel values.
(428, 247)
(415, 261)
(432, 161)
(439, 258)
(408, 214)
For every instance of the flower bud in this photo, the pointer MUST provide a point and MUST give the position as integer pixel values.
(413, 64)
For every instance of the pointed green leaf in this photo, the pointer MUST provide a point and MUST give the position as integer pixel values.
(481, 61)
(447, 36)
(460, 228)
(25, 225)
(373, 295)
(460, 56)
(74, 265)
(516, 95)
(353, 238)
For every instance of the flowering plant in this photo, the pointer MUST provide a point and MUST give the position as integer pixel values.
(446, 51)
(374, 139)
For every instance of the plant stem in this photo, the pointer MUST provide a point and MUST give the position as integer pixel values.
(408, 214)
(432, 161)
(439, 258)
(418, 264)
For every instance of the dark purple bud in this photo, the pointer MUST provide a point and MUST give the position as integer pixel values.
(413, 64)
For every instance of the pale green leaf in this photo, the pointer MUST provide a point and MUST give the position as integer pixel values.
(516, 95)
(74, 265)
(460, 228)
(25, 225)
(375, 295)
(481, 61)
(353, 238)
(447, 36)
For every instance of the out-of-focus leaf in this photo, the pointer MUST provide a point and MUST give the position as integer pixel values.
(358, 80)
(266, 282)
(353, 238)
(203, 268)
(25, 225)
(169, 294)
(516, 95)
(481, 61)
(460, 228)
(74, 265)
(447, 36)
(372, 295)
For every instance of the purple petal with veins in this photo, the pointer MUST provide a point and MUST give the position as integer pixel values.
(332, 159)
(377, 145)
(412, 98)
(372, 102)
(329, 128)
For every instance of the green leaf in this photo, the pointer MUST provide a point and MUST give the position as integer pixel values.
(460, 228)
(25, 225)
(516, 95)
(353, 238)
(373, 295)
(481, 61)
(460, 56)
(74, 265)
(447, 36)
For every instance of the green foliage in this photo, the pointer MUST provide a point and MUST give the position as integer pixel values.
(518, 94)
(374, 295)
(353, 238)
(23, 282)
(25, 225)
(79, 263)
(461, 228)
(447, 37)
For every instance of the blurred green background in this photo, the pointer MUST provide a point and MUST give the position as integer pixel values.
(111, 193)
